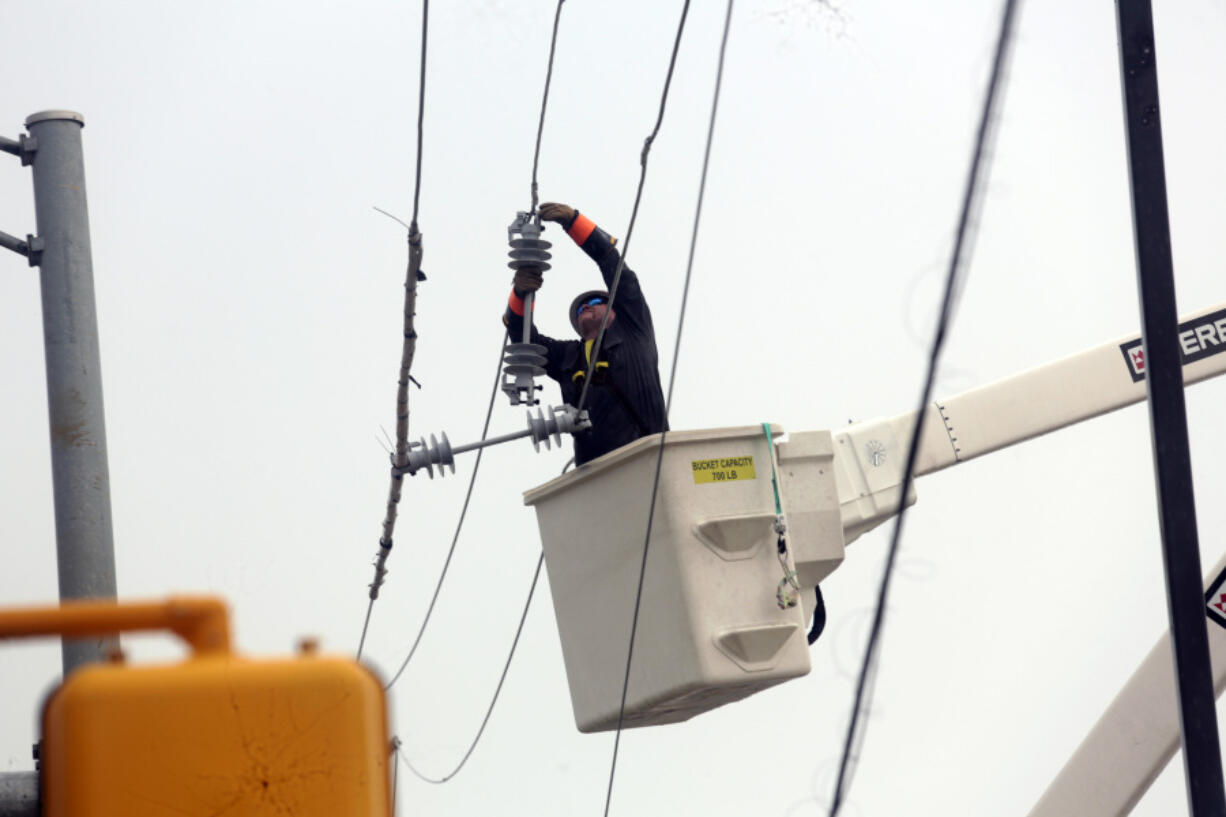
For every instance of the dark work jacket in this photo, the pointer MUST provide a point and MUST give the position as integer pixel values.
(625, 401)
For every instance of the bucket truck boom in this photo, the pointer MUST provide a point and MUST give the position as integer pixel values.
(1026, 405)
(709, 629)
(1139, 732)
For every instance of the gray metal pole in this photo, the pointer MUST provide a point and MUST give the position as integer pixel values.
(19, 794)
(85, 550)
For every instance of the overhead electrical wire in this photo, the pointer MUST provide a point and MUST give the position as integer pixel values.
(672, 377)
(497, 690)
(408, 349)
(540, 560)
(472, 480)
(489, 412)
(421, 108)
(971, 203)
(540, 125)
(638, 196)
(490, 409)
(370, 606)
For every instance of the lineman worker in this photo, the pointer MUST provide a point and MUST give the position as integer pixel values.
(625, 400)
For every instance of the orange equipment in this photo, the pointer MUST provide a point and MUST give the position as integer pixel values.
(213, 734)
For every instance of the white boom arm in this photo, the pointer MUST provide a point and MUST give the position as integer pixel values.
(1059, 394)
(871, 454)
(1135, 738)
(1139, 732)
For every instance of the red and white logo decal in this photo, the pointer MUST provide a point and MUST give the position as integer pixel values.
(1215, 599)
(1198, 338)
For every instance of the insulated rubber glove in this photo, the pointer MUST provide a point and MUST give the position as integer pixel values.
(527, 281)
(563, 214)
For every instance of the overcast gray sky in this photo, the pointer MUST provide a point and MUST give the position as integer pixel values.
(249, 306)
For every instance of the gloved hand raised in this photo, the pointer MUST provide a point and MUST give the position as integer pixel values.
(563, 214)
(527, 281)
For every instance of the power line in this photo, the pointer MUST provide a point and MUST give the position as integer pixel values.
(409, 348)
(497, 690)
(971, 201)
(672, 379)
(421, 106)
(400, 457)
(489, 412)
(540, 127)
(638, 195)
(502, 678)
(370, 606)
(502, 347)
(484, 433)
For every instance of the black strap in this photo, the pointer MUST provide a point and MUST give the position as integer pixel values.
(819, 617)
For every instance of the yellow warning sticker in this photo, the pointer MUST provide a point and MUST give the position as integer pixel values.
(723, 469)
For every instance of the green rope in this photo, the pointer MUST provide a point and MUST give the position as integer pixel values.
(774, 482)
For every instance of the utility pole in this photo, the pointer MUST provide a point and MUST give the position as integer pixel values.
(1168, 419)
(85, 552)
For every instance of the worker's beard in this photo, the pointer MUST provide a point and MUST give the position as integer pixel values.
(589, 322)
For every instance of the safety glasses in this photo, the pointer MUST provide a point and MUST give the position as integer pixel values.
(594, 301)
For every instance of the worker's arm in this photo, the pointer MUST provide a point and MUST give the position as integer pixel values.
(513, 319)
(629, 302)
